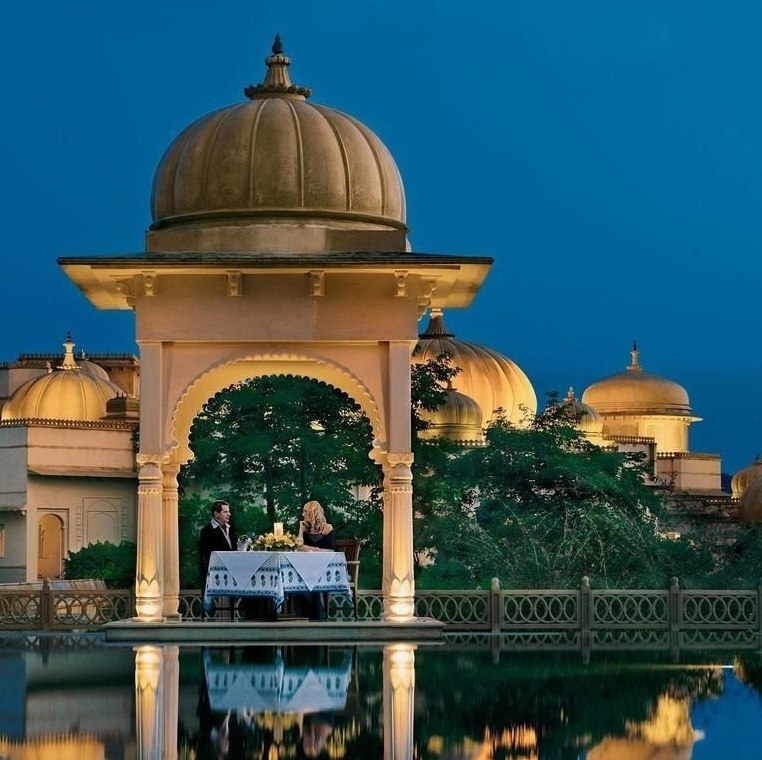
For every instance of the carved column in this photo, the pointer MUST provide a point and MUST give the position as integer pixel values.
(398, 583)
(150, 567)
(171, 543)
(399, 701)
(149, 715)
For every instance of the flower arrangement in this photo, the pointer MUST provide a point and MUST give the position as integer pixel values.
(270, 542)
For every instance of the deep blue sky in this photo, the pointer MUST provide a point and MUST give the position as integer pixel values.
(607, 153)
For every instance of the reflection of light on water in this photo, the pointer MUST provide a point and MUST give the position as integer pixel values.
(666, 735)
(519, 741)
(54, 748)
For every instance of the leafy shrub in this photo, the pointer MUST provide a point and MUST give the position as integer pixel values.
(112, 563)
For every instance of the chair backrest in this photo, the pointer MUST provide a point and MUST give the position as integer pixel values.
(351, 549)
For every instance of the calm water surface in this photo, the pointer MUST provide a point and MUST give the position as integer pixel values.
(84, 700)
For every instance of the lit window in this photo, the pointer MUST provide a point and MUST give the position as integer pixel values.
(2, 540)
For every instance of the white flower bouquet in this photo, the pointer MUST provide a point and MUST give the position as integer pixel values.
(269, 542)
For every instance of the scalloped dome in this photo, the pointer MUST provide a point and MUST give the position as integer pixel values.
(278, 158)
(743, 478)
(583, 417)
(68, 393)
(750, 505)
(487, 377)
(637, 392)
(459, 419)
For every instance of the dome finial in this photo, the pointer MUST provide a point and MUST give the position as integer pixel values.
(277, 79)
(436, 327)
(68, 360)
(634, 358)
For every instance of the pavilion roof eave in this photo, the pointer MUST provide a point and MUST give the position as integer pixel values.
(101, 278)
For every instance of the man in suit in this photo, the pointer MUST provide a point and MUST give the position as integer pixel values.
(216, 536)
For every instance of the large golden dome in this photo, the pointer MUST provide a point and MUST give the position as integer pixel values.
(68, 393)
(637, 392)
(278, 158)
(486, 376)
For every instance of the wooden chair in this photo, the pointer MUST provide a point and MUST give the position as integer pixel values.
(351, 549)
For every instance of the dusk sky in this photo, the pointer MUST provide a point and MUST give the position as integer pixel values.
(606, 153)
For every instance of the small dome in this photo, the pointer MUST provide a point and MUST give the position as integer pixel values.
(459, 419)
(583, 417)
(750, 504)
(96, 371)
(278, 158)
(637, 392)
(489, 378)
(743, 478)
(67, 393)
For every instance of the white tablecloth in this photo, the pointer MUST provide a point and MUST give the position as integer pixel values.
(277, 687)
(275, 574)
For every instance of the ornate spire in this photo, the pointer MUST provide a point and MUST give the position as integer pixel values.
(68, 360)
(570, 394)
(634, 358)
(277, 80)
(436, 327)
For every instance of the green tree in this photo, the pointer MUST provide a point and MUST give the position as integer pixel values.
(543, 507)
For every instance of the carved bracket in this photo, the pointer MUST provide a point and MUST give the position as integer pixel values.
(317, 283)
(428, 289)
(401, 278)
(150, 280)
(235, 284)
(124, 287)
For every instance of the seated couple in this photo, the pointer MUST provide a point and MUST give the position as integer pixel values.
(219, 535)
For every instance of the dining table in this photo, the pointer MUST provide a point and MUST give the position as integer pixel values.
(274, 574)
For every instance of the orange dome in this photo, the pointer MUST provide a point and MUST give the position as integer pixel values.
(278, 158)
(637, 392)
(487, 377)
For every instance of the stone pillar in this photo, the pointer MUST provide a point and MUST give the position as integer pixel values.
(399, 701)
(171, 543)
(398, 582)
(149, 579)
(149, 715)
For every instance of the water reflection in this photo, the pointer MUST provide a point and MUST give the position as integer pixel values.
(394, 702)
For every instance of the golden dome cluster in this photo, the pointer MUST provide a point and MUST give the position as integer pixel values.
(488, 378)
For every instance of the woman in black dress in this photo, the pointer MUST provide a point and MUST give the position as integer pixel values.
(316, 532)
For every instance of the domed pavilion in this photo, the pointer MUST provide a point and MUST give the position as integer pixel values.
(645, 412)
(278, 245)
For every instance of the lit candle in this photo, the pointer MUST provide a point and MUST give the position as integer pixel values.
(278, 529)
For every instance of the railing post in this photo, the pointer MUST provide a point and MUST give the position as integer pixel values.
(585, 615)
(46, 606)
(495, 608)
(674, 613)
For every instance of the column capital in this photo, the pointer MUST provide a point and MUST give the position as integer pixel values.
(156, 459)
(399, 459)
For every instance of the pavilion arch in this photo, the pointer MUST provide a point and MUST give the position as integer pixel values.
(249, 367)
